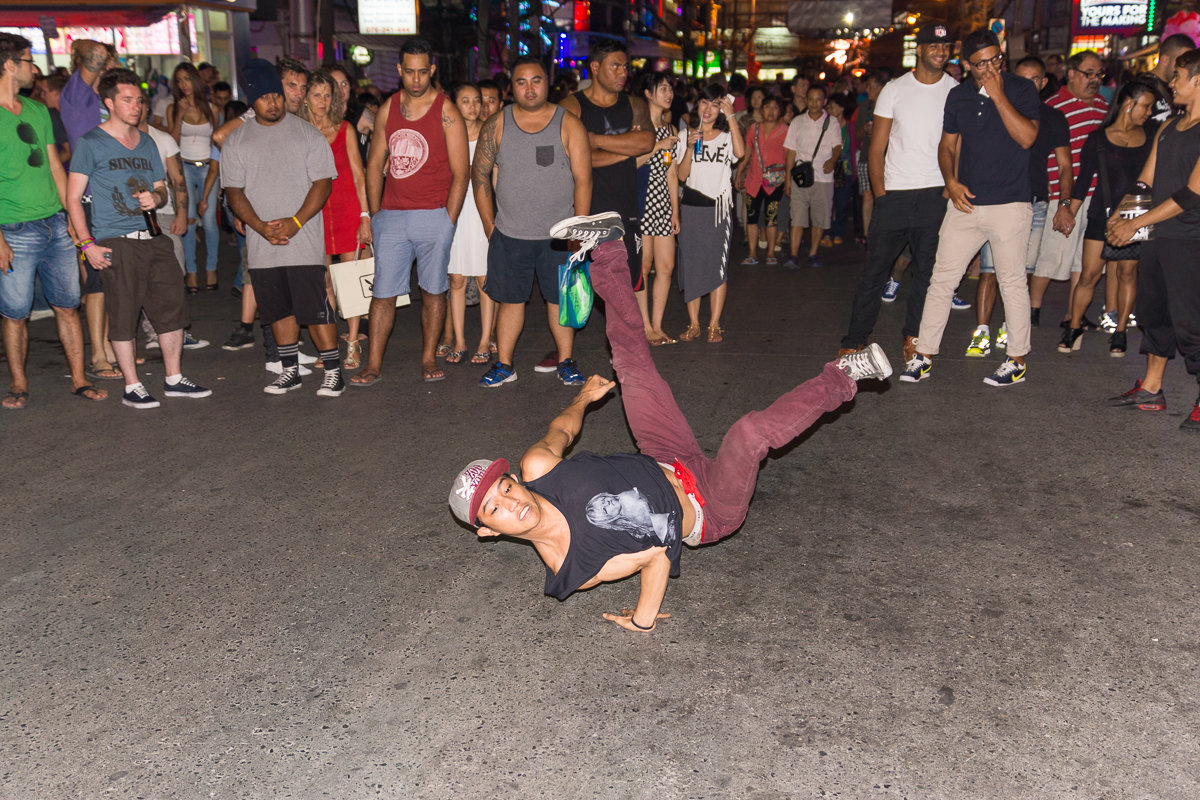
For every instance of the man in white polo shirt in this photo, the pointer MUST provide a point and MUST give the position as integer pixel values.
(907, 184)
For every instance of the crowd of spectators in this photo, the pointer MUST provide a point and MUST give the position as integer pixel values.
(965, 163)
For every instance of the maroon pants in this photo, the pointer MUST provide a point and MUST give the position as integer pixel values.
(659, 428)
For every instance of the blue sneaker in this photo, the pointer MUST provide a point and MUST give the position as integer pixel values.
(890, 291)
(959, 304)
(1009, 373)
(569, 374)
(497, 375)
(916, 370)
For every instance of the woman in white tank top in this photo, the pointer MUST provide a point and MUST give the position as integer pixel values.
(191, 119)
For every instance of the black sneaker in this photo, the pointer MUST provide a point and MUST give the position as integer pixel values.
(333, 385)
(240, 339)
(288, 380)
(192, 343)
(1192, 423)
(1139, 398)
(185, 388)
(138, 397)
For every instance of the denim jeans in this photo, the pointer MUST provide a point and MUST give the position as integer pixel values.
(42, 248)
(194, 176)
(659, 428)
(901, 217)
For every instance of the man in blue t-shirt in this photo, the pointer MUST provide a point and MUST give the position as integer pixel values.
(137, 264)
(988, 126)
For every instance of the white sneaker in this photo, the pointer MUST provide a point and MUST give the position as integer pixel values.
(277, 368)
(589, 231)
(306, 359)
(866, 364)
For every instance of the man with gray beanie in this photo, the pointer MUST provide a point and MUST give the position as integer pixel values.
(281, 210)
(988, 125)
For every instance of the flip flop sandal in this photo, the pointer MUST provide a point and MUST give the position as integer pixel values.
(443, 350)
(366, 379)
(82, 391)
(481, 358)
(432, 376)
(21, 398)
(456, 356)
(109, 373)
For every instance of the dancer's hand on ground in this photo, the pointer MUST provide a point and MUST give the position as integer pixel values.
(625, 620)
(595, 388)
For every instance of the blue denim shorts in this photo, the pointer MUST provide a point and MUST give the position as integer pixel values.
(400, 237)
(41, 248)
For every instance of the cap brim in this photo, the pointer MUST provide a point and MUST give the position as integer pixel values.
(490, 476)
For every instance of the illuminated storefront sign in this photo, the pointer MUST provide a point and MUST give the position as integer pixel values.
(388, 17)
(1111, 16)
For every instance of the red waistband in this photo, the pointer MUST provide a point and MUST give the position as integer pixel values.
(689, 482)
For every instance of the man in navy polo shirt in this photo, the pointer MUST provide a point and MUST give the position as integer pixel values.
(988, 126)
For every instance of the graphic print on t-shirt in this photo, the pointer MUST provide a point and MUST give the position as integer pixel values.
(408, 151)
(120, 199)
(630, 512)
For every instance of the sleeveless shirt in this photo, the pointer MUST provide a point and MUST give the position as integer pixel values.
(614, 188)
(1178, 152)
(417, 175)
(534, 184)
(613, 505)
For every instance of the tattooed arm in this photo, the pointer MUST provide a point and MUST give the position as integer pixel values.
(178, 187)
(486, 147)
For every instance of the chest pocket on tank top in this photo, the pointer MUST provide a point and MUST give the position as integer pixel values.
(545, 155)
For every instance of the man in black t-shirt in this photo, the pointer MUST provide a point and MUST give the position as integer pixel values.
(594, 519)
(1169, 49)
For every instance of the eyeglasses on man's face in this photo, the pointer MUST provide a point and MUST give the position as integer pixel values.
(1090, 73)
(984, 63)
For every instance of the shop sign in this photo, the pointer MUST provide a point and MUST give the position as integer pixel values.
(388, 17)
(1111, 16)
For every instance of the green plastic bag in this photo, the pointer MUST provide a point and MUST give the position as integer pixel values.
(575, 295)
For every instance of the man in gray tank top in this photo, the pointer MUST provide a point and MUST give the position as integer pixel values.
(542, 166)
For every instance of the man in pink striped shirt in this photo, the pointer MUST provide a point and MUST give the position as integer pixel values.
(1062, 243)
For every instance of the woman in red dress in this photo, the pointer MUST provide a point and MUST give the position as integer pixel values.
(347, 222)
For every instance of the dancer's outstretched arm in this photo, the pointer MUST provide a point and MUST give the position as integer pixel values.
(548, 451)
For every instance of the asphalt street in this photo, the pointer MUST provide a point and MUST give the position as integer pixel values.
(943, 590)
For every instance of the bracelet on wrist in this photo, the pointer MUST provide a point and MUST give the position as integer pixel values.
(366, 214)
(299, 224)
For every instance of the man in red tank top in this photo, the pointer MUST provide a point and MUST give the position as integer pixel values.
(417, 176)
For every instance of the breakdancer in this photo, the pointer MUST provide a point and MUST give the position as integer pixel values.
(594, 519)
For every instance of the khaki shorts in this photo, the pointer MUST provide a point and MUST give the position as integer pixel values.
(1060, 255)
(812, 207)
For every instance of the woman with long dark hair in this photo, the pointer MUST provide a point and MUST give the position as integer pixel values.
(660, 216)
(346, 215)
(1113, 154)
(705, 165)
(191, 119)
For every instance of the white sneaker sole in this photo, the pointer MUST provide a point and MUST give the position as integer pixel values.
(193, 395)
(140, 406)
(273, 389)
(596, 222)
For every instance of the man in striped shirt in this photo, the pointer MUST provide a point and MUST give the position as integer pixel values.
(1061, 253)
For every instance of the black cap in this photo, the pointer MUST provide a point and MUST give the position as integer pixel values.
(260, 78)
(934, 33)
(977, 40)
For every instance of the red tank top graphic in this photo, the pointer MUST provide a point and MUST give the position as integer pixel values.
(417, 174)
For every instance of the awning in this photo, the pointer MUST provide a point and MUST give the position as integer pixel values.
(104, 13)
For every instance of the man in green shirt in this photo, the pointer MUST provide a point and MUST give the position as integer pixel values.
(34, 236)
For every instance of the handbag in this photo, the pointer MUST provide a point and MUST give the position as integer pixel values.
(802, 173)
(575, 295)
(353, 282)
(772, 174)
(1127, 252)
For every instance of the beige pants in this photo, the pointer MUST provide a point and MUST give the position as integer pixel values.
(1006, 227)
